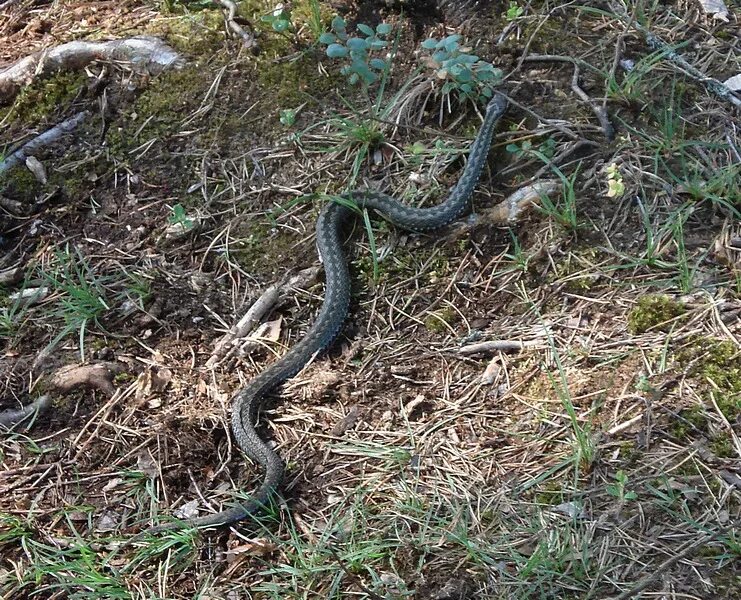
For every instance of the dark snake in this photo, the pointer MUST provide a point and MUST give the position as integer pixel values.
(331, 317)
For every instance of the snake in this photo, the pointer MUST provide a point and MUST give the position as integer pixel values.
(331, 316)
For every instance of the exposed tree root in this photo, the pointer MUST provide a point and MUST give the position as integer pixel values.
(143, 54)
(96, 376)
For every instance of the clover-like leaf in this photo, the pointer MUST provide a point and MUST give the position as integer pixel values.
(338, 23)
(281, 25)
(327, 38)
(336, 51)
(364, 29)
(383, 29)
(356, 43)
(429, 44)
(377, 63)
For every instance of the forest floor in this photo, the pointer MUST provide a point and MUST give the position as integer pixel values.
(598, 460)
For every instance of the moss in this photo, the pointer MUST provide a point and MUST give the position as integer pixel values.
(653, 311)
(717, 366)
(43, 98)
(198, 33)
(691, 420)
(263, 248)
(20, 183)
(438, 321)
(550, 494)
(722, 446)
(289, 83)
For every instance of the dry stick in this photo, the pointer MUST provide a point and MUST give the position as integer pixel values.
(231, 12)
(716, 87)
(498, 346)
(599, 111)
(52, 135)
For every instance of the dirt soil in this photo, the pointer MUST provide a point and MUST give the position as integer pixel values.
(598, 460)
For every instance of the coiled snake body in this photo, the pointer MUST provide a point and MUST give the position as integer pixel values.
(332, 314)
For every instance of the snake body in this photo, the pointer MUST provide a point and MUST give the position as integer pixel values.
(331, 316)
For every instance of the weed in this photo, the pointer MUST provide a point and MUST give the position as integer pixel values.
(363, 66)
(619, 488)
(81, 294)
(464, 74)
(279, 19)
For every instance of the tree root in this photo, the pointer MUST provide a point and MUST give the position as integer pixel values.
(143, 54)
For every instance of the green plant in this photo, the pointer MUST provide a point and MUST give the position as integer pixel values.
(279, 18)
(463, 73)
(288, 116)
(178, 216)
(358, 50)
(618, 489)
(514, 11)
(80, 294)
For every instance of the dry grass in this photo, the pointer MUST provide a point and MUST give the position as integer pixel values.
(600, 461)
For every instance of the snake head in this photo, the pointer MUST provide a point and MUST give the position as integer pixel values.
(497, 103)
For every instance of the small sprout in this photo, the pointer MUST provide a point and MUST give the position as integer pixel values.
(179, 217)
(279, 19)
(618, 490)
(514, 11)
(615, 185)
(288, 116)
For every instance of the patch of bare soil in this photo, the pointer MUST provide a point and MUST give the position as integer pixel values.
(592, 453)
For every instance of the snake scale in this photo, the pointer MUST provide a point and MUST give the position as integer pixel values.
(328, 323)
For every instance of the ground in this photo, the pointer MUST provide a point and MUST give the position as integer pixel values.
(599, 461)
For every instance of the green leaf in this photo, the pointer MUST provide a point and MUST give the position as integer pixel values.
(377, 63)
(383, 29)
(429, 44)
(338, 24)
(336, 51)
(353, 79)
(377, 44)
(327, 38)
(451, 42)
(362, 28)
(281, 25)
(357, 44)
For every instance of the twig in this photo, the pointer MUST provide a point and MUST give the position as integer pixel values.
(226, 346)
(497, 346)
(668, 564)
(51, 135)
(231, 20)
(599, 111)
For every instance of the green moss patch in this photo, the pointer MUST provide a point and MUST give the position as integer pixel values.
(654, 311)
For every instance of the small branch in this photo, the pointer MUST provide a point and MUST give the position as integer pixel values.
(227, 346)
(231, 20)
(497, 346)
(52, 135)
(599, 111)
(668, 564)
